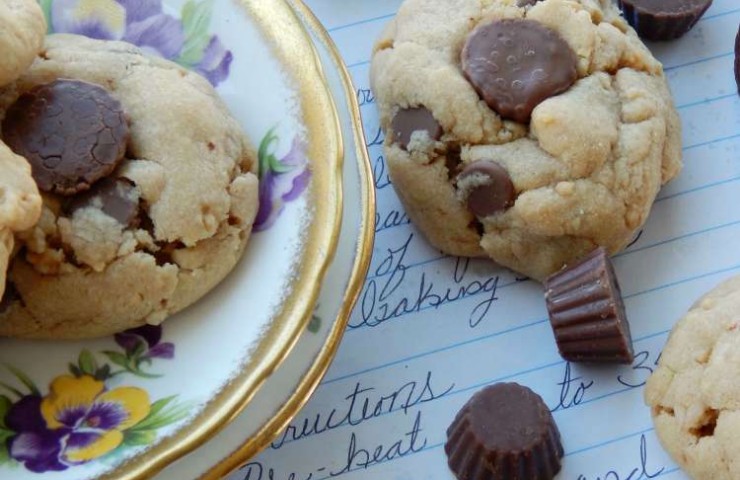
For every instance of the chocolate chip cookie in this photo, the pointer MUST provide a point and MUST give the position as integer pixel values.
(694, 394)
(150, 190)
(22, 30)
(530, 132)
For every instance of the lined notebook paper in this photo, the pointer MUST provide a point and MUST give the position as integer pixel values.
(429, 330)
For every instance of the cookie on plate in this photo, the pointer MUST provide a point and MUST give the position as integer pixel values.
(531, 134)
(694, 394)
(22, 30)
(150, 190)
(20, 204)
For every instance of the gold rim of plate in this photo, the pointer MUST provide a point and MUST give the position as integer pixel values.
(303, 391)
(291, 43)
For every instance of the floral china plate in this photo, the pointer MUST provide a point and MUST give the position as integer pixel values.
(290, 387)
(126, 406)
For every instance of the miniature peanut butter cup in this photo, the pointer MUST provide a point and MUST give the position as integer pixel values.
(504, 432)
(663, 19)
(515, 64)
(587, 313)
(486, 187)
(72, 133)
(410, 120)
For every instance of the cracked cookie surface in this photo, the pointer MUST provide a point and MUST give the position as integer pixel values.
(694, 394)
(160, 231)
(22, 30)
(586, 165)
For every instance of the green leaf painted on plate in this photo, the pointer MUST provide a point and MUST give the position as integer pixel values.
(74, 370)
(87, 363)
(12, 390)
(163, 412)
(117, 358)
(24, 379)
(159, 405)
(103, 373)
(5, 404)
(196, 18)
(4, 453)
(137, 438)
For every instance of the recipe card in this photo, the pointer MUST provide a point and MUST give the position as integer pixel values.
(429, 330)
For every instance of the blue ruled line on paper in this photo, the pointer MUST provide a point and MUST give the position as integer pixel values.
(696, 62)
(361, 22)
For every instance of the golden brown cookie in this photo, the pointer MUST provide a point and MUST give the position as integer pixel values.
(531, 134)
(143, 236)
(694, 394)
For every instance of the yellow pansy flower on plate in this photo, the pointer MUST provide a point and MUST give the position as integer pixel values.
(81, 418)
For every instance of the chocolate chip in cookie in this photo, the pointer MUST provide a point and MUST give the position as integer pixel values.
(663, 19)
(116, 197)
(410, 120)
(515, 64)
(486, 187)
(73, 133)
(526, 3)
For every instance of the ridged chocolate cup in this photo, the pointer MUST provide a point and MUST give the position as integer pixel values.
(662, 20)
(587, 313)
(504, 432)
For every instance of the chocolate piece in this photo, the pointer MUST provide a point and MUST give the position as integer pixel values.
(116, 197)
(486, 187)
(515, 64)
(524, 3)
(72, 133)
(737, 60)
(587, 313)
(663, 19)
(504, 432)
(410, 120)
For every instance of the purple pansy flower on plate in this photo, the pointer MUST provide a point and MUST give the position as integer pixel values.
(145, 341)
(85, 416)
(281, 180)
(78, 421)
(144, 23)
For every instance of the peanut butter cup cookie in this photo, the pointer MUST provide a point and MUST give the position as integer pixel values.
(694, 394)
(149, 187)
(530, 132)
